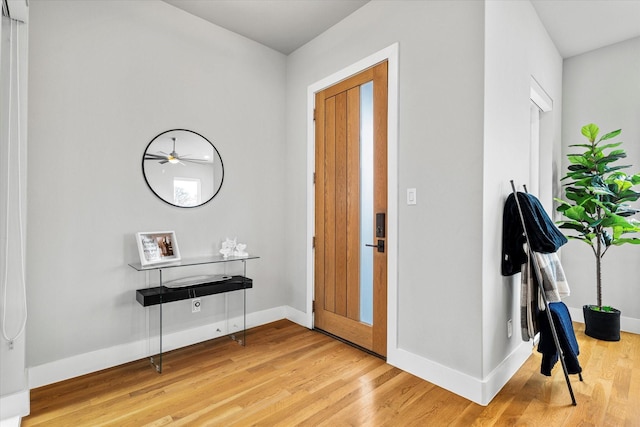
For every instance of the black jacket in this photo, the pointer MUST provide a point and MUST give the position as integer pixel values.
(544, 236)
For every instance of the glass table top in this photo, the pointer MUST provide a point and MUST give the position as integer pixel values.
(184, 262)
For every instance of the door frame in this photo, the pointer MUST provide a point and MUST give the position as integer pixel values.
(389, 54)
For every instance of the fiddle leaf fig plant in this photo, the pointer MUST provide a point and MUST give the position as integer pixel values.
(598, 195)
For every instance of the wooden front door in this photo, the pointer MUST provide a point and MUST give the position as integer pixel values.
(351, 209)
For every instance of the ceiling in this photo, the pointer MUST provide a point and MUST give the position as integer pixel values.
(575, 26)
(578, 26)
(283, 25)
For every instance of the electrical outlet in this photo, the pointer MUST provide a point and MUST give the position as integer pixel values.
(195, 305)
(509, 328)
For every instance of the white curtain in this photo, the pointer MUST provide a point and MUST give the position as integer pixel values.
(13, 174)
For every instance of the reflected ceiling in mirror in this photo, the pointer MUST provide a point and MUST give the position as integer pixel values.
(183, 168)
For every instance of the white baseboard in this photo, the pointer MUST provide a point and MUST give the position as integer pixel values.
(13, 407)
(497, 379)
(627, 324)
(10, 422)
(86, 363)
(299, 317)
(471, 388)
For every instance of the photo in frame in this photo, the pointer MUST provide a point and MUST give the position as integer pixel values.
(157, 247)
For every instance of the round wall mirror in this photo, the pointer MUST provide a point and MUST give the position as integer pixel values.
(183, 168)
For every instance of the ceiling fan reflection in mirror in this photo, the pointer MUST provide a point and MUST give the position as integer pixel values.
(173, 157)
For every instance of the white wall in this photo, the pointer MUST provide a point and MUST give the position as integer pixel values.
(106, 78)
(603, 87)
(517, 47)
(14, 390)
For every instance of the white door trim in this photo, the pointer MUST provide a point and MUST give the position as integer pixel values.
(389, 54)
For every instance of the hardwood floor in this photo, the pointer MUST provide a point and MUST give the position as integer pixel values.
(288, 375)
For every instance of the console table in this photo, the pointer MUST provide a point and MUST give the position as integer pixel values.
(161, 294)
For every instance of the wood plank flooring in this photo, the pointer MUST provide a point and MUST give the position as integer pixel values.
(288, 375)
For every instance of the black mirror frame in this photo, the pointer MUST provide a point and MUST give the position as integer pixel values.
(166, 201)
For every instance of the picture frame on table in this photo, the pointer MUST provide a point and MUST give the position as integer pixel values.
(157, 247)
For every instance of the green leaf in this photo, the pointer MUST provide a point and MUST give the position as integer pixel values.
(618, 231)
(590, 131)
(589, 146)
(620, 185)
(616, 152)
(618, 222)
(609, 135)
(602, 191)
(615, 168)
(633, 241)
(598, 182)
(577, 195)
(577, 168)
(626, 211)
(577, 213)
(595, 223)
(583, 239)
(603, 147)
(572, 225)
(628, 196)
(580, 160)
(578, 175)
(611, 157)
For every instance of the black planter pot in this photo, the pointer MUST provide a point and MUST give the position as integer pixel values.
(602, 325)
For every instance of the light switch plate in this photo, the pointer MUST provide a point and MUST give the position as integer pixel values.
(411, 196)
